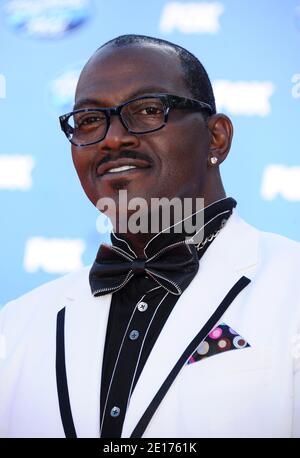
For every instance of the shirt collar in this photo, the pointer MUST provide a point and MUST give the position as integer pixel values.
(206, 222)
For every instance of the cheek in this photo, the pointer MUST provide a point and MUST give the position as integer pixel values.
(184, 154)
(82, 164)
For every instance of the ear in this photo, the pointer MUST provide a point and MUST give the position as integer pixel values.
(221, 130)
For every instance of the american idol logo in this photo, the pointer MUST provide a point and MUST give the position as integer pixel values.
(46, 18)
(62, 90)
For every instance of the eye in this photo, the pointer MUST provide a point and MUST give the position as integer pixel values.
(151, 110)
(89, 120)
(146, 107)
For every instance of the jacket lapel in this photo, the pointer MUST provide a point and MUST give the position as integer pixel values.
(233, 254)
(85, 329)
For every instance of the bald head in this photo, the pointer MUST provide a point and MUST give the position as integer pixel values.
(194, 74)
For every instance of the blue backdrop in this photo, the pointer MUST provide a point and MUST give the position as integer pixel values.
(251, 51)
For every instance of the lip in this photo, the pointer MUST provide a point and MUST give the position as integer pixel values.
(103, 169)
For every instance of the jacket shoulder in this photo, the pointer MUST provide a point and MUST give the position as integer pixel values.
(276, 245)
(44, 299)
(270, 243)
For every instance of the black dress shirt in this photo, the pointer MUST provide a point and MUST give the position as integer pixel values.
(137, 315)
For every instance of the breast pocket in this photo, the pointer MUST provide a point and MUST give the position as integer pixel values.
(229, 394)
(232, 361)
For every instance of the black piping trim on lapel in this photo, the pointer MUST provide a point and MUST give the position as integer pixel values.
(61, 378)
(151, 409)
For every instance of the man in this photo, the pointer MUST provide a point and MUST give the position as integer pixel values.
(166, 335)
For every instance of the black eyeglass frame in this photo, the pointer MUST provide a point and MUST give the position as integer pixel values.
(169, 101)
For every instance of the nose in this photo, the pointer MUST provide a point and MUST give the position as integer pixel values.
(117, 136)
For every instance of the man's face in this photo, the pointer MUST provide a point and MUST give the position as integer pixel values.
(171, 161)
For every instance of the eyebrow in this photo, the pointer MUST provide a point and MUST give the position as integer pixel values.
(148, 90)
(84, 103)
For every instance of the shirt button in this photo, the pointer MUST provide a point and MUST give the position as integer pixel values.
(142, 306)
(134, 334)
(115, 411)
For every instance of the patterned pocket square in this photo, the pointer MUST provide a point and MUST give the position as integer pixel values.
(222, 338)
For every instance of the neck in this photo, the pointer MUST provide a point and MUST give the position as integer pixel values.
(137, 242)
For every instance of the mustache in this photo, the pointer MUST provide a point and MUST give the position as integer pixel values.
(128, 154)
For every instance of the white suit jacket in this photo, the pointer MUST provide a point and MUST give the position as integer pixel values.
(251, 392)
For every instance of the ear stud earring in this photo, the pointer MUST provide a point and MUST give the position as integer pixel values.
(213, 160)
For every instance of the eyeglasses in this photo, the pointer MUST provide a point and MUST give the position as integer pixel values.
(141, 115)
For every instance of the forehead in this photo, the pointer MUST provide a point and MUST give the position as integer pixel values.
(116, 74)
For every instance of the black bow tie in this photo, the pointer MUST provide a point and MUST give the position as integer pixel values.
(171, 268)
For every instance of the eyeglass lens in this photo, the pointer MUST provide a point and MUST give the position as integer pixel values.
(139, 116)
